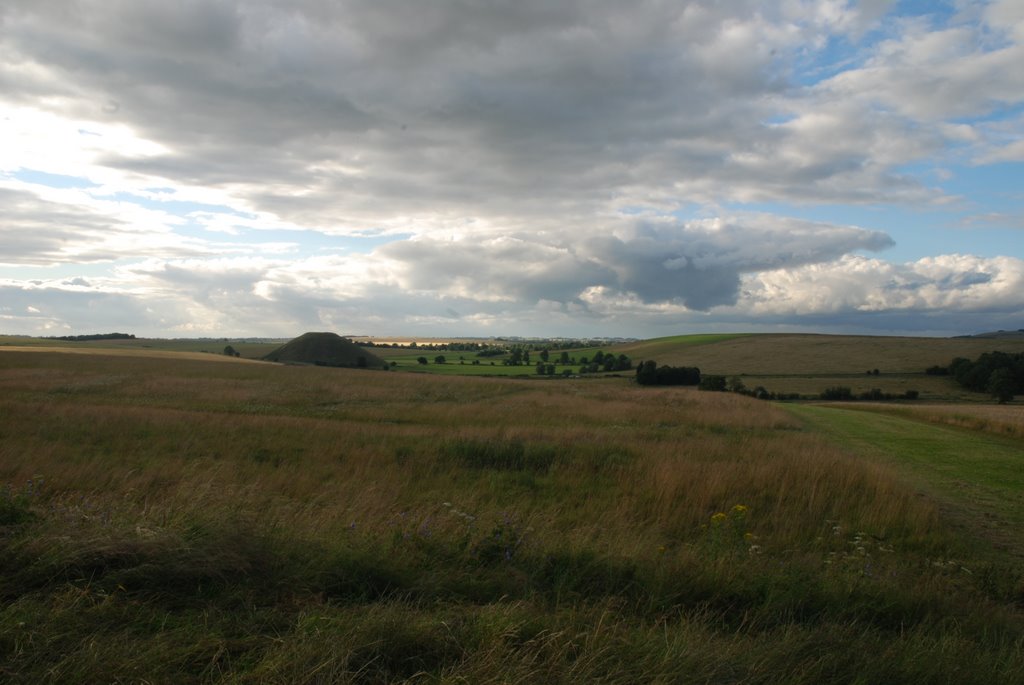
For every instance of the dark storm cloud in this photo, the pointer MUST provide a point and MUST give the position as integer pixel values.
(697, 264)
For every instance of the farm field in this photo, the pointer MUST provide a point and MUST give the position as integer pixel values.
(782, 363)
(808, 364)
(170, 519)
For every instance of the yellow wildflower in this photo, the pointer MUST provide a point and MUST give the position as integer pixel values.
(719, 517)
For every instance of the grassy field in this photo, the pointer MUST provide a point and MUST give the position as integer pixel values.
(788, 354)
(807, 364)
(248, 350)
(800, 364)
(169, 519)
(1006, 420)
(461, 363)
(979, 476)
(782, 363)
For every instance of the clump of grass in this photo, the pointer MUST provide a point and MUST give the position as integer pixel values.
(16, 504)
(501, 454)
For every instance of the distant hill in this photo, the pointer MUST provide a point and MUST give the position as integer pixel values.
(999, 335)
(325, 349)
(800, 354)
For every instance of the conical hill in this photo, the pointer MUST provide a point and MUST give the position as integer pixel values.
(325, 349)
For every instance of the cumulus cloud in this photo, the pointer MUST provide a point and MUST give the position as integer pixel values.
(944, 284)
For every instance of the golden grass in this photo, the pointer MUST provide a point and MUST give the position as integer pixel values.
(123, 352)
(990, 418)
(326, 448)
(786, 354)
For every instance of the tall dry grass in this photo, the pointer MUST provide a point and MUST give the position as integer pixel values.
(1005, 420)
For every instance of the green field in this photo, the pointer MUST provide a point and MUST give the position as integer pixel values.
(461, 363)
(179, 518)
(975, 475)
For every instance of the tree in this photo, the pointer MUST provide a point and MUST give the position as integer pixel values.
(714, 383)
(544, 355)
(439, 359)
(837, 392)
(646, 372)
(1001, 385)
(421, 360)
(649, 373)
(230, 351)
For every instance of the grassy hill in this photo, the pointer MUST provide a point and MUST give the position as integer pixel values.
(248, 348)
(807, 364)
(787, 354)
(325, 349)
(783, 363)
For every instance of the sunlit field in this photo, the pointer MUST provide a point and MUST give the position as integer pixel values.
(178, 520)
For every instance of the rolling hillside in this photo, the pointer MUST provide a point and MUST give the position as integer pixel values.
(785, 354)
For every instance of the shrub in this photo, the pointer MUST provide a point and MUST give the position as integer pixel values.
(837, 392)
(713, 383)
(502, 455)
(649, 373)
(14, 504)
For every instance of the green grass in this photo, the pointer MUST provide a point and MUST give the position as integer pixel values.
(979, 475)
(250, 523)
(651, 349)
(407, 360)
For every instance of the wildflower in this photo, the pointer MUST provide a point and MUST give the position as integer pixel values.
(661, 549)
(739, 509)
(748, 536)
(755, 549)
(719, 517)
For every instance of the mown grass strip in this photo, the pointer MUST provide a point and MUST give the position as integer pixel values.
(979, 474)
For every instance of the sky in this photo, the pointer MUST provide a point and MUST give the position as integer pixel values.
(578, 168)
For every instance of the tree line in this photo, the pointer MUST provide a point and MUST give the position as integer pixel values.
(93, 336)
(1000, 374)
